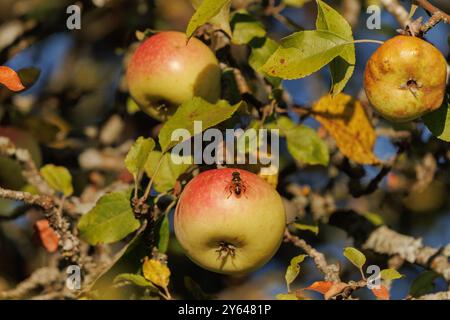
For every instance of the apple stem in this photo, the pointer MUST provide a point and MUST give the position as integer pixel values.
(166, 295)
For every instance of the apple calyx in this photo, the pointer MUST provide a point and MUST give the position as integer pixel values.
(226, 250)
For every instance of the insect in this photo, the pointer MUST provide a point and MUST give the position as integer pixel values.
(236, 185)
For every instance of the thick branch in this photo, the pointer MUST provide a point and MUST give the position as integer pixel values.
(384, 240)
(45, 202)
(331, 271)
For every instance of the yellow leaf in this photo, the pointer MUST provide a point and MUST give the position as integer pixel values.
(345, 119)
(58, 178)
(156, 272)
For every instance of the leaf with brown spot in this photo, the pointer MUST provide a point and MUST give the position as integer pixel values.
(381, 293)
(320, 286)
(47, 235)
(10, 79)
(345, 119)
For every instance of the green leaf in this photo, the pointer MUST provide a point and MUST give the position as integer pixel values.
(295, 3)
(111, 219)
(262, 50)
(246, 27)
(286, 296)
(374, 218)
(438, 122)
(306, 227)
(423, 284)
(293, 269)
(58, 178)
(284, 124)
(29, 76)
(127, 260)
(164, 235)
(168, 172)
(303, 142)
(132, 106)
(355, 256)
(138, 154)
(390, 274)
(207, 10)
(304, 53)
(195, 109)
(135, 279)
(306, 146)
(343, 66)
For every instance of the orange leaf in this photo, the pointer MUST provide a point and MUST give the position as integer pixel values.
(10, 79)
(346, 120)
(47, 235)
(381, 293)
(320, 286)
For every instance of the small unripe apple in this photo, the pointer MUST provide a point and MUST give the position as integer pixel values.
(167, 70)
(229, 226)
(405, 78)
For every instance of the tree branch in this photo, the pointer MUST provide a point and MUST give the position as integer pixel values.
(45, 202)
(384, 240)
(437, 15)
(331, 271)
(40, 278)
(68, 243)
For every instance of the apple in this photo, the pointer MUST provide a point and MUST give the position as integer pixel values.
(405, 78)
(225, 231)
(167, 70)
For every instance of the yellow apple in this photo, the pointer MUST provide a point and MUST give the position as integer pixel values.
(405, 78)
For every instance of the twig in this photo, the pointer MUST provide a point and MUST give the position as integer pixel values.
(437, 15)
(68, 243)
(45, 202)
(40, 278)
(331, 271)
